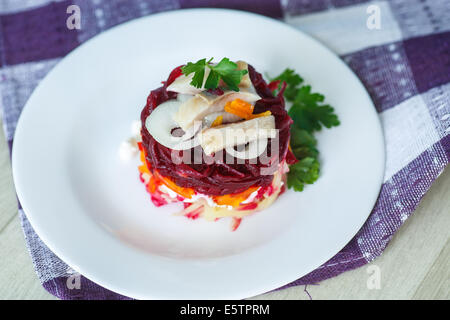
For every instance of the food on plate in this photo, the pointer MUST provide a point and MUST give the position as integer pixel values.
(217, 138)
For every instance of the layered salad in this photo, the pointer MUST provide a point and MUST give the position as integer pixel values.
(215, 137)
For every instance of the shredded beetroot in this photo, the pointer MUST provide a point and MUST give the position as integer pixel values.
(173, 75)
(249, 206)
(186, 205)
(274, 85)
(158, 200)
(282, 190)
(217, 91)
(235, 224)
(218, 178)
(195, 214)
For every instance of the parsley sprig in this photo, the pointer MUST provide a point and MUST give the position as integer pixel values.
(310, 114)
(225, 70)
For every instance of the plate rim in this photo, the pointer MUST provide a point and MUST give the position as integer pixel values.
(55, 249)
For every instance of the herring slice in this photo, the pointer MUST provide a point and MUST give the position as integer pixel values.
(226, 118)
(205, 103)
(234, 134)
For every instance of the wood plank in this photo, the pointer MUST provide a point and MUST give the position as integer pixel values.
(436, 284)
(8, 202)
(17, 277)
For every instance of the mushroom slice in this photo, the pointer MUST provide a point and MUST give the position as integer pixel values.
(238, 133)
(251, 151)
(160, 125)
(205, 103)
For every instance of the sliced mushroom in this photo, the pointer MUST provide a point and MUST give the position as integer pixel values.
(160, 125)
(251, 151)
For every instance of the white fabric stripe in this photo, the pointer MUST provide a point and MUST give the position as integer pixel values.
(421, 17)
(344, 30)
(16, 85)
(409, 131)
(438, 101)
(100, 15)
(12, 6)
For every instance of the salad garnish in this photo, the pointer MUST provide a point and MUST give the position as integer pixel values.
(310, 114)
(225, 70)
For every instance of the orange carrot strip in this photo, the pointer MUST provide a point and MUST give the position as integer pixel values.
(169, 183)
(152, 184)
(234, 199)
(240, 108)
(217, 121)
(262, 114)
(144, 169)
(244, 109)
(142, 156)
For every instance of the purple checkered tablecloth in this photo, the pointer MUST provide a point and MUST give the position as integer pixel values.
(404, 64)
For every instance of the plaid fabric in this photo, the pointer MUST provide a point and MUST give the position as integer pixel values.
(405, 66)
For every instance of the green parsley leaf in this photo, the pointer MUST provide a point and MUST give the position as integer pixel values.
(212, 82)
(228, 72)
(292, 80)
(199, 72)
(309, 114)
(303, 143)
(306, 171)
(225, 70)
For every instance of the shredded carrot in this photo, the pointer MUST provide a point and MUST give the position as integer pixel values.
(142, 156)
(169, 183)
(234, 199)
(244, 109)
(217, 121)
(262, 114)
(144, 167)
(240, 108)
(157, 179)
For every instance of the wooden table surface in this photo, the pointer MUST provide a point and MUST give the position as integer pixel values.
(415, 265)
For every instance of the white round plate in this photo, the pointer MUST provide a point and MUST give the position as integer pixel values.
(94, 213)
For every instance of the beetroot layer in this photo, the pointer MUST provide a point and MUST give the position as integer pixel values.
(217, 178)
